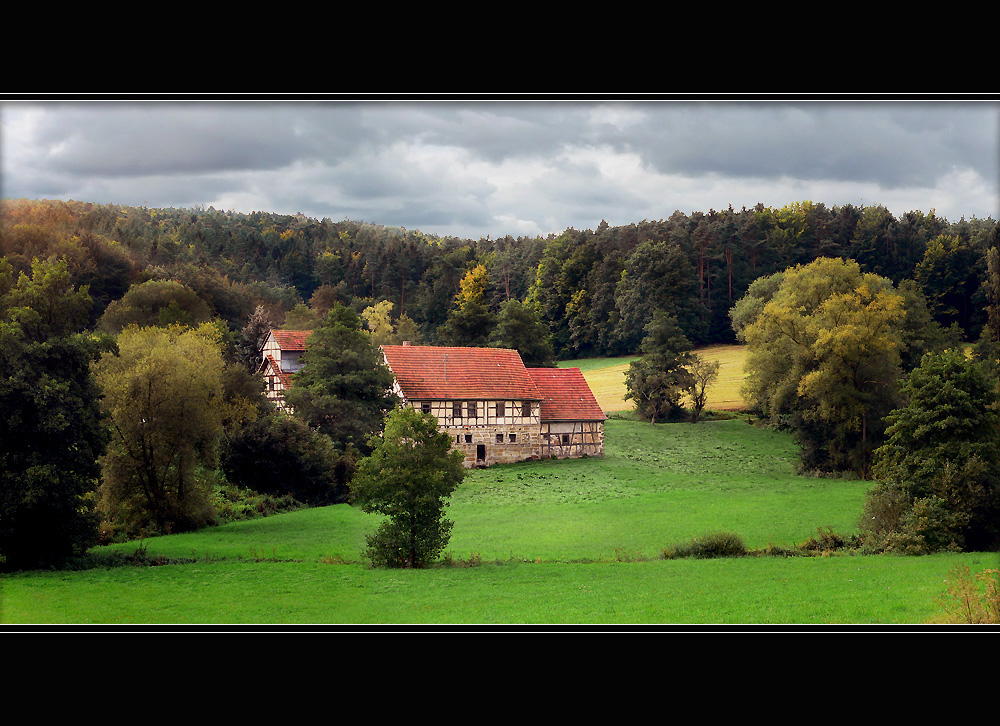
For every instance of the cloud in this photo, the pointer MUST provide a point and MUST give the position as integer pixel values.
(496, 168)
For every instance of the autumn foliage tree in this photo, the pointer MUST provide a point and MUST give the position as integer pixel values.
(823, 359)
(470, 321)
(163, 397)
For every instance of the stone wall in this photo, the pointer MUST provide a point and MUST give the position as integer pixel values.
(484, 436)
(487, 445)
(487, 438)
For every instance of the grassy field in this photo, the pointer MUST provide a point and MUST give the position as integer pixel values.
(606, 377)
(554, 543)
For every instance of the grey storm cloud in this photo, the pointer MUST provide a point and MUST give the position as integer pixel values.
(163, 139)
(499, 167)
(890, 144)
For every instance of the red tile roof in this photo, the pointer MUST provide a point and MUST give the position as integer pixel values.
(270, 367)
(291, 339)
(565, 395)
(438, 373)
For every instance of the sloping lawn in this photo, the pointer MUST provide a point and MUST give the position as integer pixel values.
(559, 543)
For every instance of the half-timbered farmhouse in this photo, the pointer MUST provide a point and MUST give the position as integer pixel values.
(572, 422)
(281, 359)
(496, 410)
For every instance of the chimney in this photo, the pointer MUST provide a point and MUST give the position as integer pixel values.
(406, 342)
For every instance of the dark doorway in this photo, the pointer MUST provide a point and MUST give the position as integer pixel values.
(481, 454)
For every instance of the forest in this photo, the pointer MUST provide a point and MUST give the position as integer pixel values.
(595, 290)
(105, 303)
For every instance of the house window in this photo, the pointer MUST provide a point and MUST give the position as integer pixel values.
(499, 438)
(501, 409)
(565, 438)
(458, 438)
(468, 438)
(511, 438)
(456, 409)
(473, 409)
(526, 409)
(425, 407)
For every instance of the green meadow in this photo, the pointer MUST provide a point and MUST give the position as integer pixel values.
(573, 543)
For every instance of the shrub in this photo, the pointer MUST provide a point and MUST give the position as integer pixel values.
(773, 550)
(971, 602)
(882, 514)
(449, 560)
(929, 525)
(234, 503)
(721, 544)
(828, 541)
(282, 455)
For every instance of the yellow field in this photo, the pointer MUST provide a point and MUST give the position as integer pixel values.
(607, 378)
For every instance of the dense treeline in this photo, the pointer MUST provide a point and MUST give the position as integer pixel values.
(594, 289)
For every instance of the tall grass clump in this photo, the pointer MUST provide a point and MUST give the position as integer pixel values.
(971, 600)
(720, 544)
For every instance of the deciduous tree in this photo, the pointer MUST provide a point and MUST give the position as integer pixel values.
(51, 433)
(155, 303)
(378, 320)
(280, 454)
(519, 327)
(823, 357)
(163, 395)
(703, 374)
(408, 478)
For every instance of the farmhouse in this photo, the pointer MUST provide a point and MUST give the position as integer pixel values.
(281, 359)
(572, 422)
(496, 410)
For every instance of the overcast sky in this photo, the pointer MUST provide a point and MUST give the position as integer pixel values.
(498, 167)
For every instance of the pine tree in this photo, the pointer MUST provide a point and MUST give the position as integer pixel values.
(344, 387)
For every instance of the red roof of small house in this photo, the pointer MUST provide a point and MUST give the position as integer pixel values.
(291, 339)
(269, 367)
(565, 395)
(439, 373)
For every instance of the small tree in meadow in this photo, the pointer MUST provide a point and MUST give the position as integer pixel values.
(703, 374)
(658, 380)
(408, 477)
